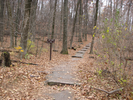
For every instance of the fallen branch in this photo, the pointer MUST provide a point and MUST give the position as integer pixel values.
(9, 51)
(23, 62)
(111, 92)
(129, 58)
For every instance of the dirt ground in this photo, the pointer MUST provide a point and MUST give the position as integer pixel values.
(26, 82)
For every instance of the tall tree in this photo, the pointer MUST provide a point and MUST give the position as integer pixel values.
(1, 19)
(49, 20)
(53, 25)
(128, 13)
(80, 22)
(26, 25)
(95, 23)
(10, 19)
(18, 16)
(65, 20)
(61, 20)
(33, 17)
(74, 23)
(86, 19)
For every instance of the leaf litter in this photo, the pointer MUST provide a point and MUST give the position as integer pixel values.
(26, 82)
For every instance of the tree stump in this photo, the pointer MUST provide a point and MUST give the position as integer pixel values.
(5, 59)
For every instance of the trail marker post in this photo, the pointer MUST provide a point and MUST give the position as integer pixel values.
(50, 41)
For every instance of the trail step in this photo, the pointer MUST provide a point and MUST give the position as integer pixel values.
(82, 52)
(78, 55)
(86, 48)
(63, 74)
(61, 77)
(63, 95)
(61, 83)
(88, 45)
(83, 49)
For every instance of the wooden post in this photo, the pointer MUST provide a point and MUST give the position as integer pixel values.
(50, 41)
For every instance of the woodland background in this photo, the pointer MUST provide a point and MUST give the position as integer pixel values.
(25, 26)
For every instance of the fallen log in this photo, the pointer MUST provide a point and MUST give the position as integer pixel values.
(23, 62)
(4, 50)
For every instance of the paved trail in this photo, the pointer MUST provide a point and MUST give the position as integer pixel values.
(64, 74)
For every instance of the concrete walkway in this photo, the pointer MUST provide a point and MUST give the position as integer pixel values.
(65, 74)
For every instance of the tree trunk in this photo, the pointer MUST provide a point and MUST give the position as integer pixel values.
(95, 22)
(17, 21)
(33, 18)
(53, 25)
(80, 22)
(1, 19)
(74, 23)
(9, 10)
(129, 7)
(26, 25)
(49, 20)
(65, 20)
(111, 9)
(86, 19)
(61, 21)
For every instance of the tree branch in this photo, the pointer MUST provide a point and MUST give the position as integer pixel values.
(111, 92)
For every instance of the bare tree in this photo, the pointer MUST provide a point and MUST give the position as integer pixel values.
(74, 23)
(86, 19)
(18, 18)
(65, 20)
(1, 19)
(33, 18)
(80, 22)
(129, 7)
(26, 25)
(10, 19)
(61, 20)
(53, 25)
(95, 23)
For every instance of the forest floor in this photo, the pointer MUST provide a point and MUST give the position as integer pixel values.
(26, 82)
